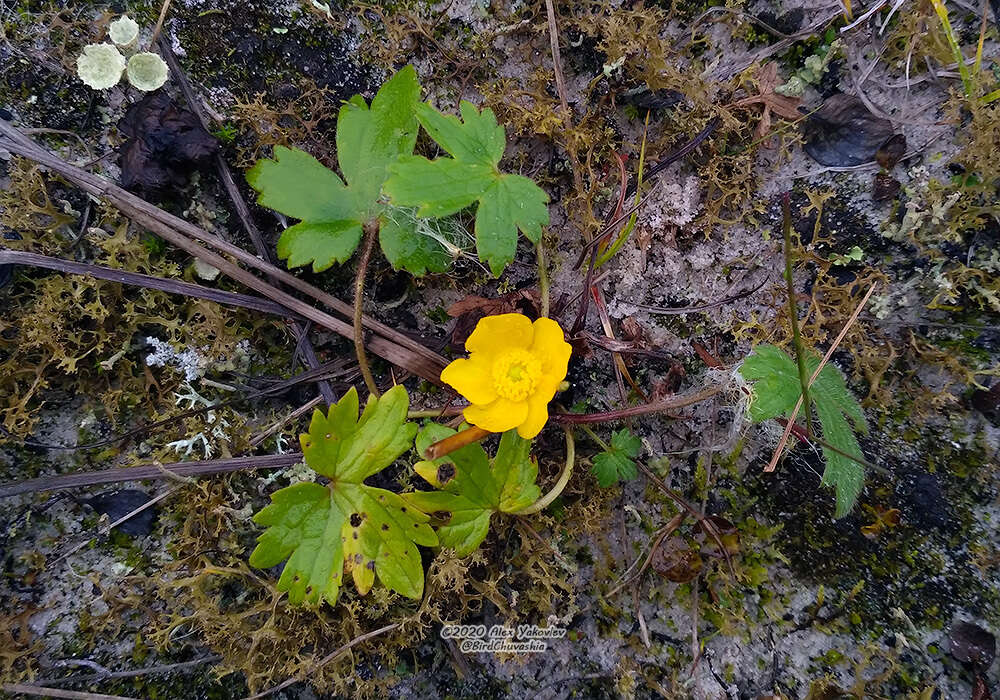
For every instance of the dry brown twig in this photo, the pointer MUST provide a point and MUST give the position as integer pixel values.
(25, 689)
(144, 472)
(308, 353)
(550, 12)
(391, 345)
(163, 284)
(134, 673)
(164, 9)
(278, 425)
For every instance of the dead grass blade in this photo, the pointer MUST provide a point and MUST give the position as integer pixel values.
(148, 471)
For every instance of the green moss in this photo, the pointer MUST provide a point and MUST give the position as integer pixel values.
(917, 567)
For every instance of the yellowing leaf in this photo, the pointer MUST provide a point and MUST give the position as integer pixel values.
(346, 525)
(471, 491)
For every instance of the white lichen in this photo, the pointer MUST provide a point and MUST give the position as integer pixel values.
(186, 446)
(188, 361)
(205, 271)
(147, 71)
(124, 31)
(100, 66)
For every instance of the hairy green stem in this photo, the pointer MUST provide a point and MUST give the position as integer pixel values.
(595, 437)
(793, 312)
(556, 490)
(371, 229)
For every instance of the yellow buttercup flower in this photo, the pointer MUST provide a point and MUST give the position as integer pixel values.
(512, 372)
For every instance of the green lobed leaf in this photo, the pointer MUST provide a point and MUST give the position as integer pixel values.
(298, 185)
(618, 462)
(776, 390)
(846, 476)
(369, 139)
(477, 138)
(438, 187)
(333, 213)
(838, 412)
(321, 243)
(406, 248)
(513, 202)
(346, 525)
(775, 377)
(470, 490)
(506, 203)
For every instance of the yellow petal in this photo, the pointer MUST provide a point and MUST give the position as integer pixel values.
(501, 332)
(499, 416)
(472, 378)
(538, 414)
(552, 350)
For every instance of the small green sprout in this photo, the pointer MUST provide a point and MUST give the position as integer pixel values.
(617, 461)
(855, 254)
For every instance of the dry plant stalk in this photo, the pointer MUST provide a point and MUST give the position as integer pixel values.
(389, 344)
(829, 353)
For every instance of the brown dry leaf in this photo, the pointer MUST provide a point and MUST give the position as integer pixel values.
(165, 143)
(676, 562)
(980, 691)
(469, 310)
(771, 102)
(633, 331)
(889, 153)
(669, 384)
(884, 187)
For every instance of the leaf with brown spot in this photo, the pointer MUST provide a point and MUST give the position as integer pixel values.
(346, 525)
(474, 489)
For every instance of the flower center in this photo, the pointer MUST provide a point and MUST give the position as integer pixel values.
(515, 374)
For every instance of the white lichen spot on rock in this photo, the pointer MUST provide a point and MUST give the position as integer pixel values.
(147, 71)
(100, 66)
(205, 271)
